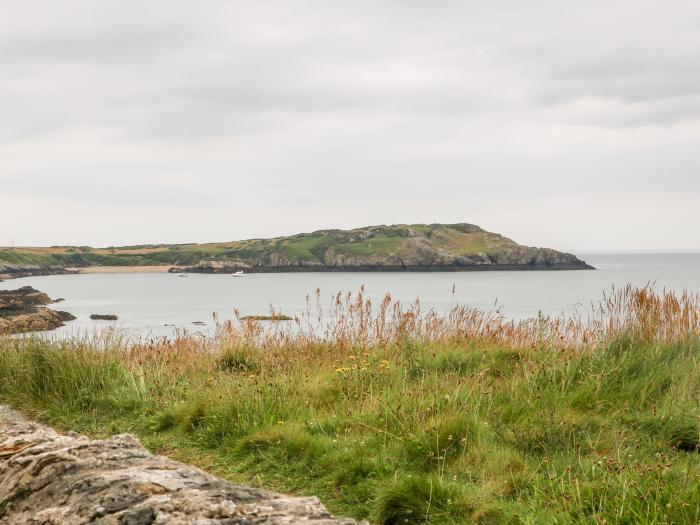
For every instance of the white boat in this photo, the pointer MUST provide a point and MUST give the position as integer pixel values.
(239, 273)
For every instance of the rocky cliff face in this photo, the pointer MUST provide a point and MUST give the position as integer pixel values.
(23, 310)
(399, 247)
(460, 247)
(419, 253)
(11, 271)
(50, 478)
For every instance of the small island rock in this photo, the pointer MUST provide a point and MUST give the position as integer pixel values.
(23, 310)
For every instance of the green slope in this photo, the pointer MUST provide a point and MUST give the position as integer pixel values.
(397, 246)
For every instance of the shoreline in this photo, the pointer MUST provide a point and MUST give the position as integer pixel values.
(20, 272)
(121, 269)
(387, 268)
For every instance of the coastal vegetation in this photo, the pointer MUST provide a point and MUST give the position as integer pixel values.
(397, 247)
(402, 416)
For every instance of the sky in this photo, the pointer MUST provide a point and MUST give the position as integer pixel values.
(572, 125)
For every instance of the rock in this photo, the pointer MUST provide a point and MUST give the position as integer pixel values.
(276, 317)
(65, 316)
(39, 321)
(207, 266)
(50, 478)
(13, 271)
(104, 317)
(22, 299)
(23, 310)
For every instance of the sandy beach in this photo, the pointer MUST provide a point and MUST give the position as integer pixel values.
(123, 269)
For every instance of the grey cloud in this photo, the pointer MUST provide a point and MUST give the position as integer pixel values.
(400, 105)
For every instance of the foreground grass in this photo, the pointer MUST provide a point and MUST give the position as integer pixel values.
(403, 431)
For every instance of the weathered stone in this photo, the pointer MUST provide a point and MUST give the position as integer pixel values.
(14, 271)
(50, 478)
(104, 317)
(22, 299)
(23, 310)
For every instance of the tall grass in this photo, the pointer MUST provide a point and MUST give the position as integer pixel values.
(404, 416)
(354, 321)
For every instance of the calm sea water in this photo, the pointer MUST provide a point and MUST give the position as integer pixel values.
(158, 304)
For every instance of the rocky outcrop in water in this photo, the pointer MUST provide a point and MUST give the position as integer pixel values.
(52, 478)
(104, 317)
(11, 271)
(23, 310)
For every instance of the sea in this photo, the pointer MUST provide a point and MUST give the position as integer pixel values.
(152, 305)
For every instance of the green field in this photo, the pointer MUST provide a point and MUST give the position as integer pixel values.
(380, 241)
(441, 421)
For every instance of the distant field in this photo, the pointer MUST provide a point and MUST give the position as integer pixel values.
(122, 256)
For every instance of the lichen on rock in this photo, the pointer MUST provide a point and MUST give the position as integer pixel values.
(52, 478)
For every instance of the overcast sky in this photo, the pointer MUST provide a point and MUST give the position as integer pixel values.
(573, 125)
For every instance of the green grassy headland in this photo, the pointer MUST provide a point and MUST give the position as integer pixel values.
(374, 244)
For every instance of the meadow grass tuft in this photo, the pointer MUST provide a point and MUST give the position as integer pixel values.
(401, 417)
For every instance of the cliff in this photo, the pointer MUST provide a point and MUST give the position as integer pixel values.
(436, 247)
(414, 247)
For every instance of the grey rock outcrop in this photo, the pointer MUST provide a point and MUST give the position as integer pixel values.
(104, 317)
(14, 271)
(23, 310)
(52, 478)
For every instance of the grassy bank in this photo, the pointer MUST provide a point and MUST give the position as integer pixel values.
(401, 418)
